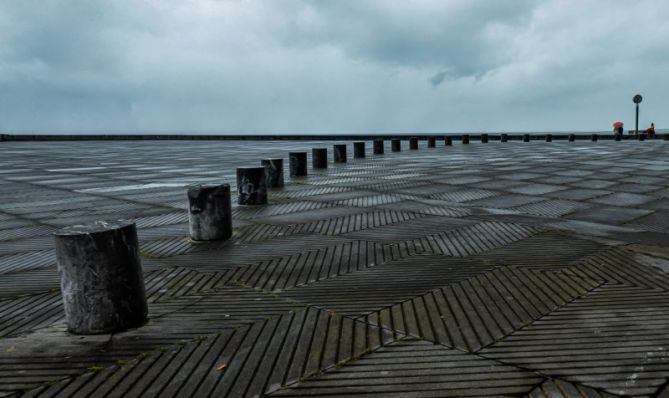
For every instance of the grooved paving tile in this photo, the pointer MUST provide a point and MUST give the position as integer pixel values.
(409, 229)
(464, 195)
(174, 321)
(550, 250)
(302, 191)
(535, 189)
(622, 267)
(27, 261)
(555, 388)
(371, 289)
(313, 265)
(479, 311)
(244, 362)
(552, 207)
(312, 215)
(613, 339)
(505, 201)
(253, 212)
(230, 256)
(475, 239)
(421, 207)
(415, 368)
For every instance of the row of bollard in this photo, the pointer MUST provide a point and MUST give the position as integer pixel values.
(101, 275)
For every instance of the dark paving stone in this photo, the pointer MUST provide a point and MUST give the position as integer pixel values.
(535, 189)
(592, 183)
(581, 342)
(483, 309)
(622, 199)
(609, 215)
(635, 188)
(579, 194)
(506, 201)
(417, 368)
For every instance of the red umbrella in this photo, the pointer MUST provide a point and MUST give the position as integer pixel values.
(618, 124)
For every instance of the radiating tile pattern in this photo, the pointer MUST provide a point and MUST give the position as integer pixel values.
(501, 269)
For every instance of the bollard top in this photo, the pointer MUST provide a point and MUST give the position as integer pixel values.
(254, 168)
(95, 227)
(195, 189)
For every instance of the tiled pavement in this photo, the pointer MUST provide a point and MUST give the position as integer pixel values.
(501, 269)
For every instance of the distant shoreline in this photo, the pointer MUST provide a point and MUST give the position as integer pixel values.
(297, 137)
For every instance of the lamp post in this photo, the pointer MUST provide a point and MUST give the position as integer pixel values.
(637, 100)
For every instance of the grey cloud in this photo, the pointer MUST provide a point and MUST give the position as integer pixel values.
(329, 66)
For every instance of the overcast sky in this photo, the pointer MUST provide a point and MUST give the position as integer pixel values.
(338, 66)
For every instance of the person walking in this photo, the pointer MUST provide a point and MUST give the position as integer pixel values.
(651, 130)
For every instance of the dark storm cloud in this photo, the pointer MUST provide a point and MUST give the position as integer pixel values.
(329, 66)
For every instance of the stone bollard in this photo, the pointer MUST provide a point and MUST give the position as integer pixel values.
(297, 164)
(549, 137)
(359, 149)
(595, 137)
(504, 138)
(484, 138)
(101, 277)
(413, 143)
(251, 186)
(572, 137)
(465, 138)
(378, 147)
(526, 138)
(273, 172)
(339, 153)
(431, 142)
(209, 212)
(319, 158)
(395, 145)
(448, 141)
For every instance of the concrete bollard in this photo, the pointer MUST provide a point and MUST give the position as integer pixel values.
(413, 143)
(431, 142)
(101, 277)
(339, 153)
(251, 186)
(504, 138)
(297, 164)
(395, 145)
(465, 138)
(359, 149)
(572, 138)
(526, 138)
(273, 172)
(484, 138)
(595, 137)
(549, 137)
(209, 212)
(319, 158)
(448, 141)
(378, 147)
